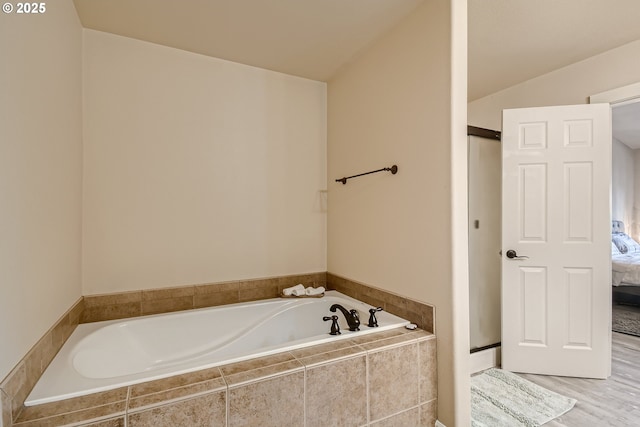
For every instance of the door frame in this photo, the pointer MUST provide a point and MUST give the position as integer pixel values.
(621, 95)
(487, 356)
(617, 97)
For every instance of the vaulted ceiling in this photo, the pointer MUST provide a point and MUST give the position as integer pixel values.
(510, 41)
(307, 38)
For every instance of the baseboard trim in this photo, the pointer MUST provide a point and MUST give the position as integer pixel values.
(439, 424)
(485, 359)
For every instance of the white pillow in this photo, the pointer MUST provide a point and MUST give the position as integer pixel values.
(614, 249)
(625, 244)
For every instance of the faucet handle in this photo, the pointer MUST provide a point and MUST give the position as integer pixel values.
(373, 321)
(354, 322)
(335, 328)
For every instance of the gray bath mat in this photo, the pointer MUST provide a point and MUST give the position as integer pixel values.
(502, 399)
(626, 319)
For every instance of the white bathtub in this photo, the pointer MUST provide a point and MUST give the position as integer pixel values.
(106, 355)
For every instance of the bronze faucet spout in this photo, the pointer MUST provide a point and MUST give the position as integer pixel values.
(351, 316)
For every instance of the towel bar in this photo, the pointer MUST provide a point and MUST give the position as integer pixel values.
(393, 169)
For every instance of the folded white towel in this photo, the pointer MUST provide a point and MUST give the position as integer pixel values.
(314, 291)
(296, 290)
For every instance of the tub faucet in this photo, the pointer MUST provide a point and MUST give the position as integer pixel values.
(373, 321)
(352, 316)
(335, 328)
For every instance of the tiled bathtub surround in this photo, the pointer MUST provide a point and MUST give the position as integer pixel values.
(16, 386)
(382, 379)
(417, 312)
(164, 300)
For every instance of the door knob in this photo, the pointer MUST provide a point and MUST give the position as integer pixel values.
(511, 254)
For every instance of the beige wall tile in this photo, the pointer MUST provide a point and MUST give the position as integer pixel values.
(326, 353)
(389, 299)
(5, 409)
(405, 313)
(414, 311)
(336, 376)
(111, 306)
(256, 364)
(258, 374)
(175, 381)
(164, 300)
(179, 387)
(263, 292)
(112, 299)
(160, 300)
(312, 279)
(332, 356)
(61, 332)
(22, 379)
(76, 312)
(379, 336)
(343, 285)
(212, 299)
(244, 285)
(152, 301)
(113, 422)
(213, 294)
(167, 293)
(167, 305)
(63, 329)
(206, 410)
(274, 402)
(393, 380)
(336, 394)
(373, 302)
(111, 312)
(217, 287)
(392, 337)
(426, 313)
(31, 413)
(429, 413)
(428, 370)
(33, 370)
(15, 386)
(243, 375)
(86, 416)
(322, 348)
(403, 419)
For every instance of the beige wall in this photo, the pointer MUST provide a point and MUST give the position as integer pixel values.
(393, 105)
(40, 174)
(569, 85)
(196, 169)
(200, 170)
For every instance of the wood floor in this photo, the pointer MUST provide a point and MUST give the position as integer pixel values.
(611, 402)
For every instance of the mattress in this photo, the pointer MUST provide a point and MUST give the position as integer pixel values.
(626, 269)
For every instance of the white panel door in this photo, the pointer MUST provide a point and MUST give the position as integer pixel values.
(556, 268)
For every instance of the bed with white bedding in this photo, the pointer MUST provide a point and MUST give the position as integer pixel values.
(625, 265)
(626, 269)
